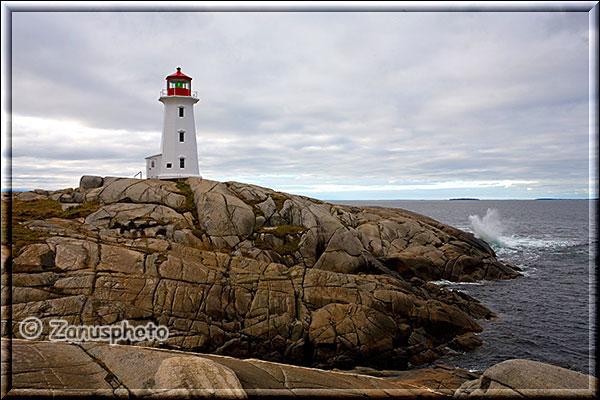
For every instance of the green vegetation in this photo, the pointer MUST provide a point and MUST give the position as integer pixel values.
(279, 199)
(290, 234)
(190, 204)
(44, 209)
(281, 231)
(37, 209)
(21, 237)
(290, 245)
(80, 211)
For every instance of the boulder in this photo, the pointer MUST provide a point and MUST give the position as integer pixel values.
(90, 182)
(220, 212)
(198, 377)
(29, 196)
(525, 378)
(152, 191)
(127, 216)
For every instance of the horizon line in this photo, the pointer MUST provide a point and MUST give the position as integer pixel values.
(3, 190)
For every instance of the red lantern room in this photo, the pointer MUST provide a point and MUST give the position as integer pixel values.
(179, 84)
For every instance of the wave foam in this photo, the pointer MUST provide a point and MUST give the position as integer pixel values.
(517, 242)
(488, 228)
(491, 229)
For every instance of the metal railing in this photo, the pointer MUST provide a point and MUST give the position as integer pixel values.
(164, 93)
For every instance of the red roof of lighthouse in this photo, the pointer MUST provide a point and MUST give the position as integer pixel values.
(179, 75)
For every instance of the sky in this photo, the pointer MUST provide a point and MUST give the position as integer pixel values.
(332, 105)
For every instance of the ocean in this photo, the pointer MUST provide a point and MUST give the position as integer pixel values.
(547, 314)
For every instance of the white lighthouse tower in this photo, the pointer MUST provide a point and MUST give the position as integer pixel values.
(179, 153)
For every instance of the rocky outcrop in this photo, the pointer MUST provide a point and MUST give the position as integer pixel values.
(96, 369)
(245, 271)
(529, 379)
(40, 368)
(276, 227)
(90, 182)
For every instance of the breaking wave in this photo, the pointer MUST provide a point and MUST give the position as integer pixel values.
(491, 229)
(488, 228)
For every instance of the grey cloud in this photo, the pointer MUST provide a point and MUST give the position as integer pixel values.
(363, 97)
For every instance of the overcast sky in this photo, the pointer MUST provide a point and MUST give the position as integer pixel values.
(333, 105)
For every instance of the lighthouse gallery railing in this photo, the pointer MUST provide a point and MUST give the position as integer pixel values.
(164, 93)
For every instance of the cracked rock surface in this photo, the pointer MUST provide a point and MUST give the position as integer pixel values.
(529, 379)
(245, 271)
(124, 371)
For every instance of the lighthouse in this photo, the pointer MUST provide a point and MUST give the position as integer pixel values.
(179, 152)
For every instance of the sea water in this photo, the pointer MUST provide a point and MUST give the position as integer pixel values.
(547, 314)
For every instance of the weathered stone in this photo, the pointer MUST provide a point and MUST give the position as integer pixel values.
(202, 376)
(92, 195)
(141, 191)
(220, 212)
(120, 259)
(529, 379)
(65, 370)
(125, 216)
(74, 254)
(90, 182)
(38, 255)
(465, 342)
(59, 367)
(268, 207)
(321, 285)
(28, 196)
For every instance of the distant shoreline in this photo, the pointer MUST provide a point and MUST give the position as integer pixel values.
(464, 198)
(3, 190)
(453, 199)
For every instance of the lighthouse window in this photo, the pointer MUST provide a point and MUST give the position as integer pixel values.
(168, 165)
(181, 136)
(152, 164)
(179, 84)
(180, 112)
(182, 162)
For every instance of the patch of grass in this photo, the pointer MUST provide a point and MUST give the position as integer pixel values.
(290, 245)
(22, 237)
(289, 233)
(258, 212)
(279, 199)
(81, 211)
(190, 204)
(33, 210)
(261, 244)
(4, 216)
(281, 231)
(44, 209)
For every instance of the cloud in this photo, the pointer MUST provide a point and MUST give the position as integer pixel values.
(322, 99)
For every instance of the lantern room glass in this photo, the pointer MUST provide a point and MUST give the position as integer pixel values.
(179, 84)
